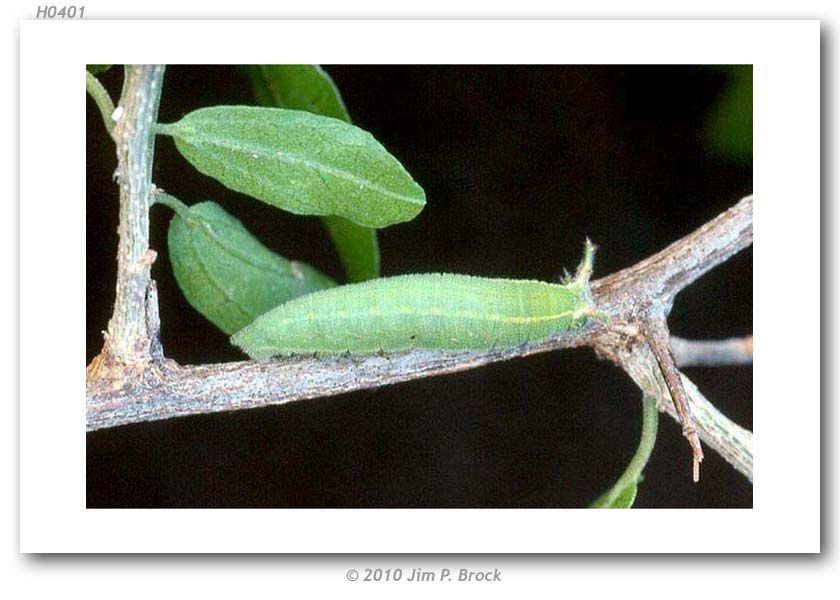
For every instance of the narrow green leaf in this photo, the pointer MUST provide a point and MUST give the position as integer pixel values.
(623, 493)
(300, 162)
(300, 87)
(225, 273)
(310, 88)
(97, 69)
(259, 86)
(357, 248)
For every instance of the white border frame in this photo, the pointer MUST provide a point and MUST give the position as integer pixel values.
(786, 56)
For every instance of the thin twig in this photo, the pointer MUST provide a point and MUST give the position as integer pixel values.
(658, 338)
(713, 353)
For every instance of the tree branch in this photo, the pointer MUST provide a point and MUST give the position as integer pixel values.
(658, 279)
(729, 440)
(713, 353)
(127, 341)
(632, 297)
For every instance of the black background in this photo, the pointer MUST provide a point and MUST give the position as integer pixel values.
(519, 164)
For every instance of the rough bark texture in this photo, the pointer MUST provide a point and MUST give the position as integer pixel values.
(127, 340)
(138, 384)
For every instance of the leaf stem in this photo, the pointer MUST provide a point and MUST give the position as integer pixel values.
(172, 202)
(103, 101)
(650, 425)
(162, 129)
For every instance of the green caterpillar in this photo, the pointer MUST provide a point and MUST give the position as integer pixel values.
(436, 311)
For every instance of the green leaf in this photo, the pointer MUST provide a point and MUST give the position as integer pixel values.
(225, 273)
(729, 127)
(304, 163)
(623, 493)
(300, 87)
(97, 69)
(310, 88)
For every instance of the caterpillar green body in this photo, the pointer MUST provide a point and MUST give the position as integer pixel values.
(434, 311)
